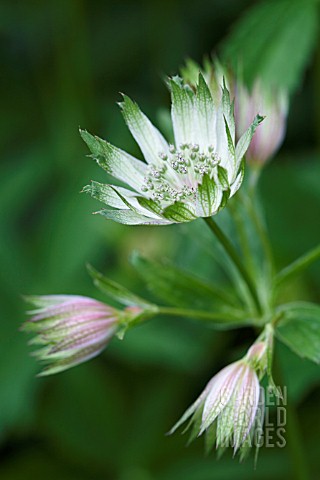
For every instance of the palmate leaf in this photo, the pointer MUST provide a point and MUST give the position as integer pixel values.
(178, 288)
(299, 329)
(116, 291)
(276, 28)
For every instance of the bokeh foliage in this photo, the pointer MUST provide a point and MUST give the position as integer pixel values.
(63, 65)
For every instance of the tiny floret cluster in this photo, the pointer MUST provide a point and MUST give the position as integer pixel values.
(194, 176)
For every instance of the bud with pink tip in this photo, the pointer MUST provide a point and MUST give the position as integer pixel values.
(273, 104)
(70, 328)
(229, 409)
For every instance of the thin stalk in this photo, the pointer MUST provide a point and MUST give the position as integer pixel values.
(261, 231)
(255, 173)
(298, 265)
(233, 255)
(243, 237)
(201, 314)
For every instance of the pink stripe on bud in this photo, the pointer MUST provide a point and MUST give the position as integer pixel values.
(231, 398)
(270, 134)
(257, 351)
(71, 329)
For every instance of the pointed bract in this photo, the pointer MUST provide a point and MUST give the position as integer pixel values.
(230, 408)
(149, 139)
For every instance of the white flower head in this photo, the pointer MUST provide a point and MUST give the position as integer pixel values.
(194, 177)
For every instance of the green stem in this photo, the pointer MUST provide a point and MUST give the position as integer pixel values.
(255, 214)
(298, 265)
(201, 314)
(243, 237)
(230, 250)
(261, 230)
(255, 173)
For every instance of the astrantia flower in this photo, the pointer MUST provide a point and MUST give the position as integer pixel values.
(194, 177)
(274, 105)
(71, 329)
(228, 408)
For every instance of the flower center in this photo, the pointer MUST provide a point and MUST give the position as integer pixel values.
(178, 173)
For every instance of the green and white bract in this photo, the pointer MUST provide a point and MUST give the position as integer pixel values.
(193, 178)
(231, 407)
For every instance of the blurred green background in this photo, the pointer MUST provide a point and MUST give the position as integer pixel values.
(62, 66)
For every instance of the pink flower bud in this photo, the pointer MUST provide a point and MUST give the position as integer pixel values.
(71, 329)
(270, 134)
(257, 351)
(231, 399)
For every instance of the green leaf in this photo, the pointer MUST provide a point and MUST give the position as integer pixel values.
(299, 329)
(179, 288)
(116, 291)
(268, 41)
(298, 265)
